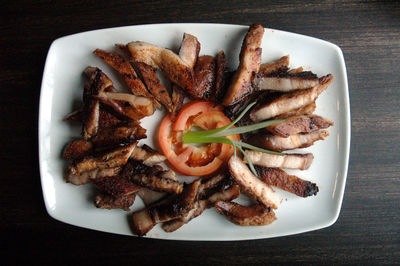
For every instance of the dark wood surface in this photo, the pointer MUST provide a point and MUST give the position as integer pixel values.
(368, 229)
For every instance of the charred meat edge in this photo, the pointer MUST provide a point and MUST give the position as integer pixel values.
(253, 186)
(291, 183)
(255, 214)
(249, 64)
(220, 76)
(289, 160)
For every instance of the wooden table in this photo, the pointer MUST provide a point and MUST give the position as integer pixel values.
(368, 229)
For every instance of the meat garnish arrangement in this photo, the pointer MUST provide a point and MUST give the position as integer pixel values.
(229, 136)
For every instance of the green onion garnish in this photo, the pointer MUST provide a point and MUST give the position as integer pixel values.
(218, 135)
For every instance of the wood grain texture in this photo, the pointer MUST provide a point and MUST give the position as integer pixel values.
(368, 229)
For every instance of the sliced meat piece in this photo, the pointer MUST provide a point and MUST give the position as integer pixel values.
(151, 177)
(104, 201)
(280, 65)
(286, 82)
(147, 155)
(225, 194)
(114, 158)
(289, 101)
(142, 222)
(178, 97)
(167, 61)
(220, 76)
(97, 83)
(211, 182)
(291, 183)
(204, 78)
(250, 184)
(256, 214)
(127, 72)
(299, 124)
(290, 161)
(305, 110)
(189, 51)
(121, 135)
(166, 209)
(154, 85)
(249, 64)
(85, 177)
(149, 196)
(276, 143)
(78, 148)
(127, 105)
(116, 186)
(179, 205)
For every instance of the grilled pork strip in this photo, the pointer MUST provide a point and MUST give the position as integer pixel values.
(116, 186)
(127, 105)
(290, 161)
(251, 184)
(166, 209)
(279, 65)
(296, 70)
(220, 76)
(97, 83)
(154, 85)
(305, 110)
(225, 194)
(151, 177)
(256, 214)
(147, 155)
(249, 64)
(167, 61)
(299, 124)
(127, 72)
(189, 51)
(291, 183)
(290, 101)
(204, 78)
(123, 134)
(105, 201)
(77, 148)
(277, 143)
(177, 100)
(85, 177)
(114, 158)
(286, 82)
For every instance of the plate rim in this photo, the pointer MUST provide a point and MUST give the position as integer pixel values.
(347, 133)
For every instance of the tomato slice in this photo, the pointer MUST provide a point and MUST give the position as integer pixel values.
(190, 159)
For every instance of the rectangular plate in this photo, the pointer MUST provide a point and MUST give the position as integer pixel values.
(62, 88)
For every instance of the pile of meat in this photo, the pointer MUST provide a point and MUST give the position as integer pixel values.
(108, 154)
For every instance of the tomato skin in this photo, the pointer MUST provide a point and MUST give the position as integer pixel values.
(192, 109)
(207, 116)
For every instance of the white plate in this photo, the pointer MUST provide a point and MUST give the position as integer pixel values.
(62, 86)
